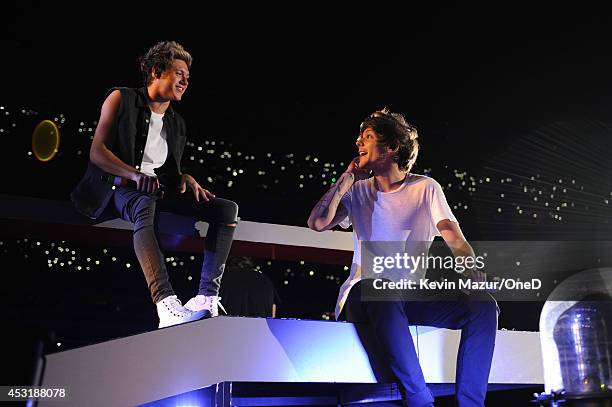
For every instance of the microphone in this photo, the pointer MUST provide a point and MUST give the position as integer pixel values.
(124, 182)
(117, 181)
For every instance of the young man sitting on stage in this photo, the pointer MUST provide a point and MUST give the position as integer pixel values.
(396, 205)
(140, 138)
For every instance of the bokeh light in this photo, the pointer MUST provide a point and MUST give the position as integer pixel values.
(45, 140)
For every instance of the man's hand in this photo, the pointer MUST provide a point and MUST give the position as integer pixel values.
(358, 173)
(475, 275)
(145, 183)
(198, 192)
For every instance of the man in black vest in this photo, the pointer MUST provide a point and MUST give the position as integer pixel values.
(139, 141)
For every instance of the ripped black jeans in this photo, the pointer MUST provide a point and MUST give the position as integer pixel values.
(141, 209)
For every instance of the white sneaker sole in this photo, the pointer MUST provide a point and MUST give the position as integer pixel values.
(197, 315)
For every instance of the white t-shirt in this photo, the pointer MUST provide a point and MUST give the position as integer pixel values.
(156, 148)
(409, 213)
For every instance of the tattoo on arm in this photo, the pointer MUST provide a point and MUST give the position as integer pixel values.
(333, 197)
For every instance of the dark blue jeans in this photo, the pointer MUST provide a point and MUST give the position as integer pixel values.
(141, 209)
(475, 315)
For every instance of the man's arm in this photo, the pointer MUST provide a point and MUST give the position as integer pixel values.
(453, 236)
(328, 212)
(105, 159)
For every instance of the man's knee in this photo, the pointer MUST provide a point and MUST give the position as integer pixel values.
(144, 212)
(227, 212)
(231, 215)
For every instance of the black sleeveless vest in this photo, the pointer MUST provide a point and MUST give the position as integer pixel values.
(127, 142)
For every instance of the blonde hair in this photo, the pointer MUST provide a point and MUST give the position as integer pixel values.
(160, 56)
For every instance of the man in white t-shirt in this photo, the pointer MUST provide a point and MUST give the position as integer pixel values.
(395, 206)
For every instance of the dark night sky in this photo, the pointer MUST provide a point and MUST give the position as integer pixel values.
(301, 78)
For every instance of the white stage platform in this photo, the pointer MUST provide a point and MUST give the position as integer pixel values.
(163, 363)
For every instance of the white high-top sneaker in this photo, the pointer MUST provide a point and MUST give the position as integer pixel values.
(171, 312)
(204, 303)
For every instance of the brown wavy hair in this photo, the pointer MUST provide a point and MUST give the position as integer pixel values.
(394, 132)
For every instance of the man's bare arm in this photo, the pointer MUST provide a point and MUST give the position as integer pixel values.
(99, 153)
(328, 212)
(104, 158)
(453, 236)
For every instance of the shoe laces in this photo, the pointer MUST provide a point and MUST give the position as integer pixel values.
(215, 301)
(175, 306)
(220, 305)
